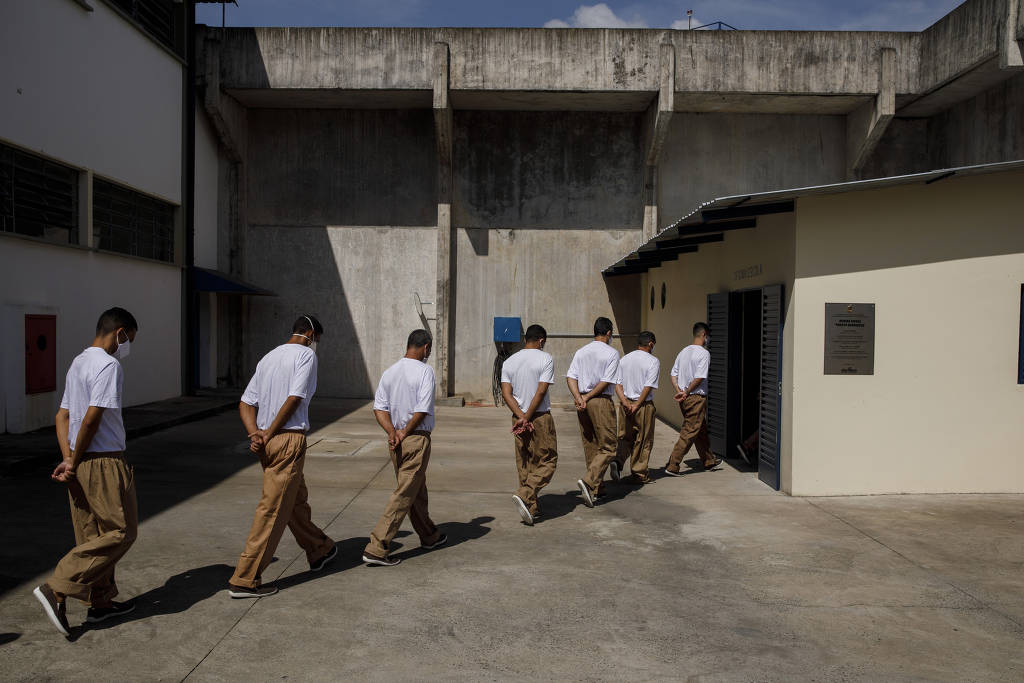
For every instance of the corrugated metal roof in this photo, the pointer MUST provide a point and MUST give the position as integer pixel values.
(751, 202)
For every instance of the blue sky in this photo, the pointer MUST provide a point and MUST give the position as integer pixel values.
(853, 15)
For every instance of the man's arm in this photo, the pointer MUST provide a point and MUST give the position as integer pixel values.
(538, 397)
(384, 420)
(510, 401)
(596, 391)
(90, 425)
(63, 424)
(410, 426)
(681, 394)
(643, 395)
(574, 389)
(287, 410)
(248, 415)
(627, 405)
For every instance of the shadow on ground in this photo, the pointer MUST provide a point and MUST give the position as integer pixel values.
(171, 467)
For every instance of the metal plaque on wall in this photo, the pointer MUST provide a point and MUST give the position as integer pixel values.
(849, 339)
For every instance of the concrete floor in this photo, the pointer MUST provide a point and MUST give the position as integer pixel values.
(708, 577)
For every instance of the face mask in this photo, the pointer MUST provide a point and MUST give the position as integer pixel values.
(123, 348)
(312, 341)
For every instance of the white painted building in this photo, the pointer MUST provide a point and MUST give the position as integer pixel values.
(91, 193)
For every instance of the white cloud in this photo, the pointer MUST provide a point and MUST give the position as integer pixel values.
(596, 16)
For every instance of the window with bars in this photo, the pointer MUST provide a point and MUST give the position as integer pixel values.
(38, 197)
(156, 17)
(130, 222)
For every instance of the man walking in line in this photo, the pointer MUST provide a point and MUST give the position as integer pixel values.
(101, 484)
(592, 375)
(639, 372)
(525, 378)
(275, 412)
(690, 380)
(404, 408)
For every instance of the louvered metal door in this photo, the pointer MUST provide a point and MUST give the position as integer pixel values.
(718, 373)
(771, 385)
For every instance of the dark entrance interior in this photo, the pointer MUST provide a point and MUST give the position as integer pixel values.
(744, 378)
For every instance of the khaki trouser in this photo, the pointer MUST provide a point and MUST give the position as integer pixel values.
(597, 427)
(284, 503)
(410, 497)
(536, 457)
(105, 516)
(636, 438)
(694, 432)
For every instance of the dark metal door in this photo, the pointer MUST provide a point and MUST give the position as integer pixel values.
(718, 373)
(771, 385)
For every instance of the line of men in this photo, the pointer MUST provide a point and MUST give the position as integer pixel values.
(274, 409)
(596, 375)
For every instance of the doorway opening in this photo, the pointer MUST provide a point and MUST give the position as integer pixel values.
(744, 389)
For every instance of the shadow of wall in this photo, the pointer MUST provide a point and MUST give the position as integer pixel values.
(543, 202)
(341, 215)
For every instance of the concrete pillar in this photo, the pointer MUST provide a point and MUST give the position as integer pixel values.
(656, 126)
(445, 297)
(866, 124)
(1011, 36)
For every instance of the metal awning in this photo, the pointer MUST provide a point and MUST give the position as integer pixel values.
(206, 280)
(711, 220)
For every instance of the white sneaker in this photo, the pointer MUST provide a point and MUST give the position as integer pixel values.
(743, 453)
(524, 511)
(613, 469)
(588, 498)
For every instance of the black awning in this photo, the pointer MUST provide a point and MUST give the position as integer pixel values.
(206, 280)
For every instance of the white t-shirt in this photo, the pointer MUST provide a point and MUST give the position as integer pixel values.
(691, 363)
(524, 370)
(95, 378)
(639, 369)
(595, 363)
(405, 388)
(288, 370)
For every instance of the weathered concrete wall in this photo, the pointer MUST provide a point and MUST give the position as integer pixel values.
(341, 167)
(548, 170)
(983, 129)
(550, 277)
(715, 155)
(358, 281)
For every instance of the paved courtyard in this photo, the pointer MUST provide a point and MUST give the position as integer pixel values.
(707, 577)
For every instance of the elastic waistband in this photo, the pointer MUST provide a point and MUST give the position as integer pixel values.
(419, 432)
(696, 396)
(291, 431)
(102, 454)
(607, 396)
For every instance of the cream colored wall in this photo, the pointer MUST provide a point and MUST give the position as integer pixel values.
(714, 269)
(943, 264)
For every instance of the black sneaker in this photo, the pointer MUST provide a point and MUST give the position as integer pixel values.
(381, 561)
(672, 473)
(441, 540)
(613, 470)
(322, 562)
(116, 609)
(243, 592)
(55, 611)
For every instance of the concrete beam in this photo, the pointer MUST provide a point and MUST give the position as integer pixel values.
(227, 116)
(1011, 36)
(656, 127)
(865, 125)
(445, 296)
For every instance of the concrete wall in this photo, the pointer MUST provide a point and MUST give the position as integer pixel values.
(943, 264)
(359, 281)
(985, 128)
(90, 89)
(714, 268)
(716, 155)
(549, 277)
(77, 285)
(548, 170)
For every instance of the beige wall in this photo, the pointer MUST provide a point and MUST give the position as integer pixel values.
(690, 279)
(943, 264)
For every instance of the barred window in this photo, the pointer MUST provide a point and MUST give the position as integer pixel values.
(156, 17)
(38, 197)
(132, 223)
